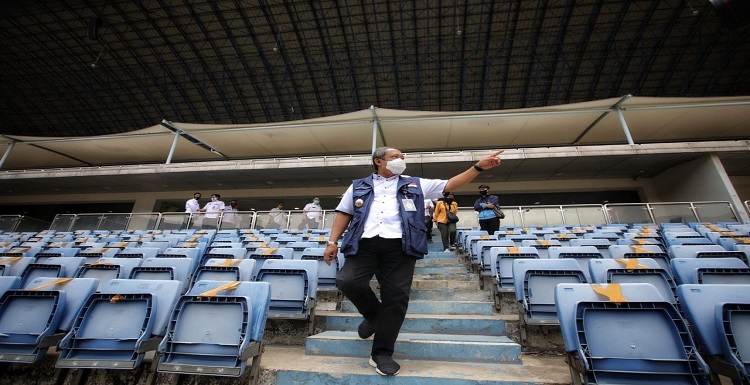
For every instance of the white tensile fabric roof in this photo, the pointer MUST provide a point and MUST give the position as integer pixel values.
(649, 120)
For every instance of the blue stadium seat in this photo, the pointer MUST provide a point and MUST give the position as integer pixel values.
(541, 245)
(225, 253)
(178, 269)
(14, 265)
(106, 269)
(299, 247)
(261, 255)
(601, 244)
(710, 270)
(138, 252)
(35, 319)
(626, 334)
(9, 283)
(704, 251)
(462, 235)
(94, 254)
(326, 273)
(483, 257)
(196, 344)
(581, 254)
(55, 252)
(57, 267)
(634, 270)
(225, 270)
(535, 281)
(501, 264)
(119, 324)
(294, 284)
(720, 318)
(192, 254)
(655, 252)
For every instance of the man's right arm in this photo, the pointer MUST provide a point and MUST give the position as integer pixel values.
(340, 223)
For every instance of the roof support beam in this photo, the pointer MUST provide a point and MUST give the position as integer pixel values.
(7, 153)
(616, 106)
(376, 129)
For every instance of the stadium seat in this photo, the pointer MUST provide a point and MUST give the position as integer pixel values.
(182, 252)
(294, 284)
(299, 247)
(655, 252)
(501, 264)
(710, 270)
(483, 257)
(196, 344)
(178, 269)
(14, 265)
(225, 270)
(260, 255)
(601, 244)
(626, 334)
(720, 319)
(55, 252)
(106, 269)
(541, 245)
(34, 319)
(94, 254)
(634, 270)
(225, 253)
(138, 252)
(326, 273)
(57, 267)
(9, 283)
(581, 254)
(704, 251)
(535, 281)
(117, 326)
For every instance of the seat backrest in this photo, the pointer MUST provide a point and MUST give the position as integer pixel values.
(179, 269)
(9, 283)
(225, 270)
(522, 266)
(692, 251)
(483, 247)
(272, 253)
(106, 269)
(285, 266)
(58, 267)
(692, 270)
(77, 291)
(634, 270)
(15, 265)
(166, 293)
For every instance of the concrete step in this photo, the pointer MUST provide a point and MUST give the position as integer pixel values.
(439, 307)
(442, 284)
(451, 295)
(441, 270)
(452, 347)
(493, 325)
(442, 261)
(327, 370)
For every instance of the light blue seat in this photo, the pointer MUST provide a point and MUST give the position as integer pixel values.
(57, 267)
(299, 247)
(710, 271)
(581, 254)
(225, 270)
(609, 236)
(634, 270)
(501, 264)
(192, 254)
(563, 238)
(704, 251)
(483, 257)
(535, 281)
(106, 269)
(286, 239)
(159, 245)
(225, 243)
(518, 238)
(655, 252)
(196, 344)
(9, 283)
(470, 244)
(720, 318)
(94, 254)
(224, 252)
(22, 251)
(55, 252)
(326, 273)
(294, 284)
(263, 254)
(14, 265)
(34, 319)
(601, 244)
(178, 269)
(541, 245)
(626, 334)
(138, 252)
(729, 243)
(461, 237)
(117, 326)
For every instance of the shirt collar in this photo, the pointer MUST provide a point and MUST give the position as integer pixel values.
(381, 178)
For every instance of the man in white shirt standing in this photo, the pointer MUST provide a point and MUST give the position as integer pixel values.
(312, 214)
(230, 219)
(212, 210)
(192, 205)
(384, 213)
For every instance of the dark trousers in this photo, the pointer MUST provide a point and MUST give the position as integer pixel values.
(447, 234)
(490, 225)
(394, 271)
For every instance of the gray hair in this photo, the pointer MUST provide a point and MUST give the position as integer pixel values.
(379, 153)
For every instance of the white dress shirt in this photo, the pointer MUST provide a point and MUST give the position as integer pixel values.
(192, 206)
(213, 208)
(384, 219)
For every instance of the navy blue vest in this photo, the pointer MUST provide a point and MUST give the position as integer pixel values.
(414, 232)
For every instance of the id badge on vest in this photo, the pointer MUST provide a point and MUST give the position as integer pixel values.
(408, 204)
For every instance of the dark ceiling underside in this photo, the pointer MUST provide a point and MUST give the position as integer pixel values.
(232, 61)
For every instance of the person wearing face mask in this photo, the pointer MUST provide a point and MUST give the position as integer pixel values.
(192, 205)
(276, 217)
(230, 217)
(212, 210)
(447, 228)
(312, 214)
(488, 221)
(384, 213)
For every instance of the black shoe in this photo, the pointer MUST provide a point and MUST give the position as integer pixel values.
(385, 365)
(366, 329)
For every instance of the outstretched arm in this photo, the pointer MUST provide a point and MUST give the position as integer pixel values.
(493, 160)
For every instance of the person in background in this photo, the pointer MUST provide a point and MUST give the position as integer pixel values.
(312, 215)
(384, 213)
(276, 217)
(429, 207)
(192, 205)
(212, 210)
(488, 221)
(447, 228)
(230, 219)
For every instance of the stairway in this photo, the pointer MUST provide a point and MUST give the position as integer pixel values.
(451, 335)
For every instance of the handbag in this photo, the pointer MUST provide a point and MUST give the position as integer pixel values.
(452, 218)
(498, 212)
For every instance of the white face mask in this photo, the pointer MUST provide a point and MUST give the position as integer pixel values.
(396, 166)
(214, 199)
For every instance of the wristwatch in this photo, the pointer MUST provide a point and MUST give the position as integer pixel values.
(478, 168)
(329, 243)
